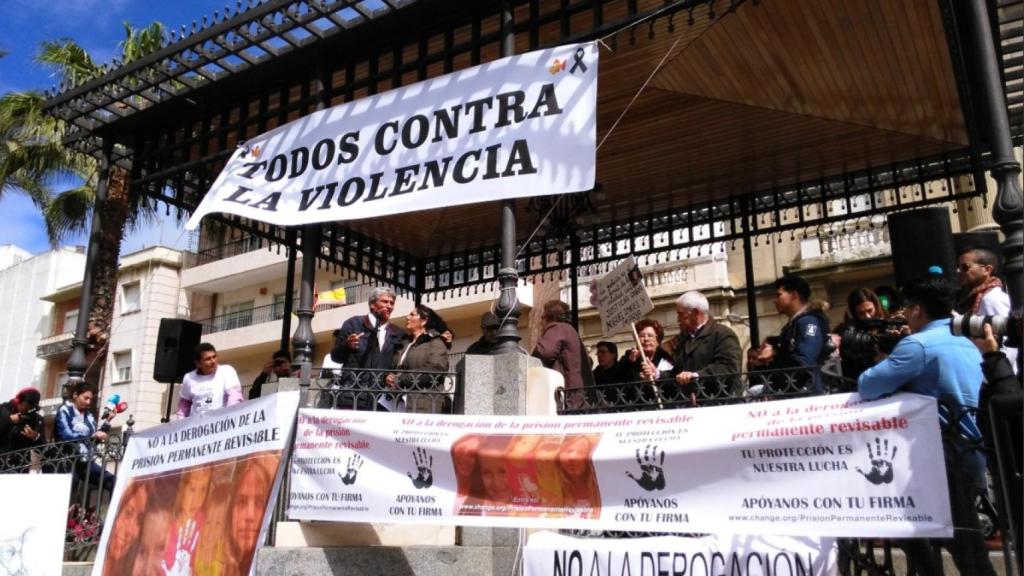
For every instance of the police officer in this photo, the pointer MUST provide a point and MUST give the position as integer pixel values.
(803, 342)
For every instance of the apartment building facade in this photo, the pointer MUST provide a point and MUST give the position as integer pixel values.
(27, 320)
(148, 289)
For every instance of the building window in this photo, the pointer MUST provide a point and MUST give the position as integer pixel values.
(278, 311)
(123, 366)
(236, 315)
(131, 298)
(70, 321)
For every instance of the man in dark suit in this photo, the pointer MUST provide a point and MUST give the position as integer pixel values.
(703, 350)
(367, 343)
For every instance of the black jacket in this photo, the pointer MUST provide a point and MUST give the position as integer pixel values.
(356, 390)
(11, 437)
(714, 351)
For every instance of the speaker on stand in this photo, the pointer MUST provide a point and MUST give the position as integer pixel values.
(921, 239)
(175, 350)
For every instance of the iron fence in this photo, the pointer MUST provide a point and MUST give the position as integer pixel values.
(857, 557)
(93, 467)
(271, 312)
(386, 390)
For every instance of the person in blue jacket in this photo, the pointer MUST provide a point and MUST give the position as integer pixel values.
(76, 422)
(934, 362)
(803, 342)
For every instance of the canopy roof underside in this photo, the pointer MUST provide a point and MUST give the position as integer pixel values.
(759, 108)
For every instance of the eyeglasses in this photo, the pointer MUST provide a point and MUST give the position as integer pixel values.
(965, 266)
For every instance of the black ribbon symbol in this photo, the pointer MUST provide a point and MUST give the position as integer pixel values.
(578, 61)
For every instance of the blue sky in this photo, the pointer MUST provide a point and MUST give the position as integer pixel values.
(98, 26)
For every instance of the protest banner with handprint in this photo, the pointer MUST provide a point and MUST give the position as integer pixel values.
(831, 466)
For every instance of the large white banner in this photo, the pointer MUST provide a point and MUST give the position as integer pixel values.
(195, 496)
(34, 523)
(824, 466)
(520, 126)
(551, 554)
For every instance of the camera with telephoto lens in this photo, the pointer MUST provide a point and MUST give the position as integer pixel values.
(971, 326)
(862, 343)
(31, 419)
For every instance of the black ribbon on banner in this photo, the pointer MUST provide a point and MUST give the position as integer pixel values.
(578, 61)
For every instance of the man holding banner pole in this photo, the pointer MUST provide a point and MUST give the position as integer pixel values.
(703, 348)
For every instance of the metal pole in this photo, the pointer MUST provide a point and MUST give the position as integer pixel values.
(302, 342)
(508, 277)
(748, 271)
(77, 363)
(574, 280)
(289, 289)
(990, 100)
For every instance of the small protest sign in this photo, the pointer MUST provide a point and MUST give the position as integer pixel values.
(621, 297)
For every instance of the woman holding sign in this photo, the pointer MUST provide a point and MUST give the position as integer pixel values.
(647, 363)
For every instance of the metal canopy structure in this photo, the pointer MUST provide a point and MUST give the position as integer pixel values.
(763, 115)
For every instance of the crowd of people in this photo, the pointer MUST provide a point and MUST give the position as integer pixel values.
(889, 341)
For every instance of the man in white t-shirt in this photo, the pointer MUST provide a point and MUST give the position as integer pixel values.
(209, 386)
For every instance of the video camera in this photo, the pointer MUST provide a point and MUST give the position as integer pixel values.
(31, 419)
(1010, 327)
(861, 343)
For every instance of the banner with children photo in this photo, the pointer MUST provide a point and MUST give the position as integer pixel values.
(195, 496)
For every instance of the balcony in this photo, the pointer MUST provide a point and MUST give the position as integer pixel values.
(223, 251)
(239, 263)
(273, 312)
(54, 345)
(843, 245)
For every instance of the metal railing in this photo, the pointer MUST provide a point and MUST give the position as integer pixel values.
(93, 467)
(386, 390)
(707, 391)
(272, 312)
(856, 556)
(225, 250)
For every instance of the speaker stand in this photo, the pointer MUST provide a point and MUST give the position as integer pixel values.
(170, 400)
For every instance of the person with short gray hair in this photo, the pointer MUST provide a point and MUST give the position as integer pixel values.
(703, 349)
(368, 342)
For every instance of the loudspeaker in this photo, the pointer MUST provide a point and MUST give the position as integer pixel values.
(175, 348)
(988, 239)
(921, 239)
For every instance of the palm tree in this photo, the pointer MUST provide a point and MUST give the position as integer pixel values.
(34, 161)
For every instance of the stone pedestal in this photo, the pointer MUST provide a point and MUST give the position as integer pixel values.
(494, 385)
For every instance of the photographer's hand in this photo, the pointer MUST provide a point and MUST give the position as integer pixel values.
(989, 343)
(29, 433)
(879, 355)
(15, 418)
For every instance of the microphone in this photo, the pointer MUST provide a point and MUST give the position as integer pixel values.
(113, 407)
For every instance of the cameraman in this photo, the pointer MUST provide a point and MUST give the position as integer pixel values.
(21, 426)
(934, 362)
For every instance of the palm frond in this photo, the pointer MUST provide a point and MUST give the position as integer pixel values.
(68, 213)
(139, 42)
(69, 61)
